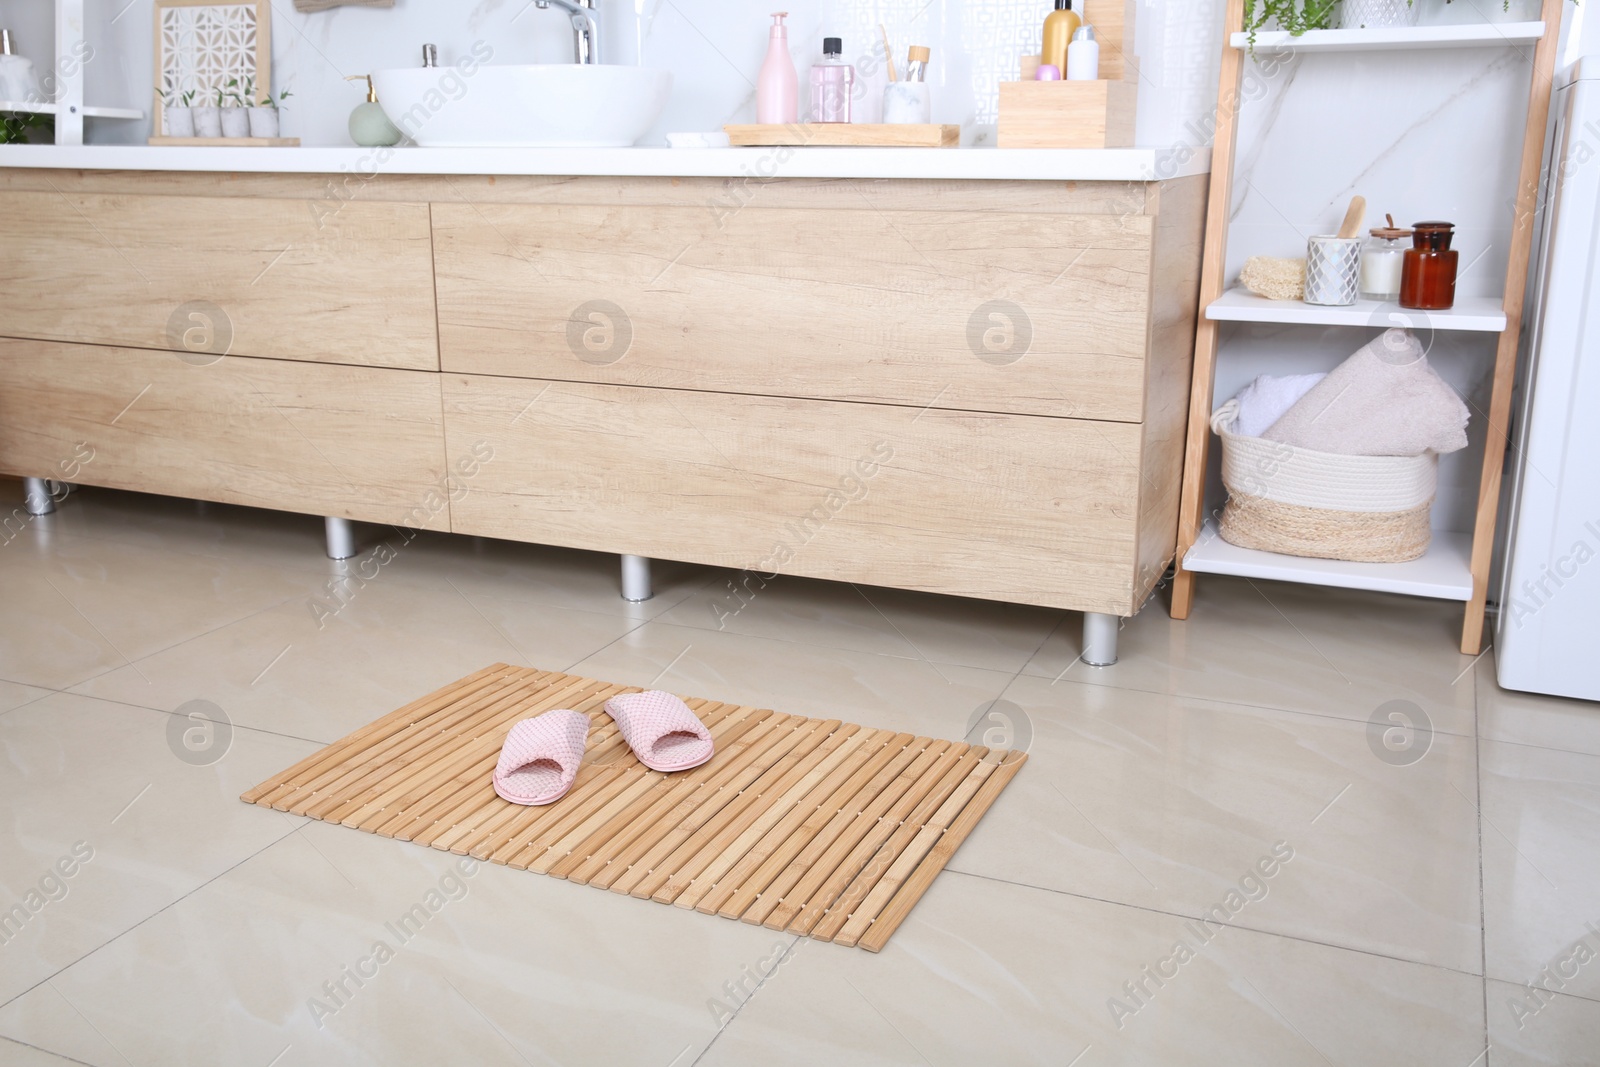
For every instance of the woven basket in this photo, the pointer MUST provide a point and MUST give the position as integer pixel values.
(1369, 509)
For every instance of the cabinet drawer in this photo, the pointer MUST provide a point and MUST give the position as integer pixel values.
(1001, 311)
(1002, 507)
(355, 442)
(326, 281)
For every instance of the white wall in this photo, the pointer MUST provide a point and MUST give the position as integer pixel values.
(713, 47)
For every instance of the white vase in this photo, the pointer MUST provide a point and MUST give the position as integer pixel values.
(1371, 14)
(207, 121)
(179, 121)
(235, 122)
(263, 122)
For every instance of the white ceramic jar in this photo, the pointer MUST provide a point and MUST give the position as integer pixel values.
(1372, 14)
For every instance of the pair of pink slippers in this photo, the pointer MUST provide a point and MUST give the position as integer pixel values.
(541, 755)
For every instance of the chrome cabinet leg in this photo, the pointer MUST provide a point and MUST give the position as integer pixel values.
(341, 538)
(36, 496)
(636, 579)
(1100, 638)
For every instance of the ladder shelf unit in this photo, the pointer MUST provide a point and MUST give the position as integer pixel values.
(1457, 566)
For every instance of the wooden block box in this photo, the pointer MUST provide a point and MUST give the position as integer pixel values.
(1063, 114)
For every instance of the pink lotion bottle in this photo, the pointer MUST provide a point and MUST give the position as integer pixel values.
(778, 86)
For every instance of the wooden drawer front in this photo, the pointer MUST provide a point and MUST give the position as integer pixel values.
(288, 279)
(355, 442)
(1003, 507)
(882, 306)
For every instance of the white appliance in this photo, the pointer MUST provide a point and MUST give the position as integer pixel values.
(1547, 635)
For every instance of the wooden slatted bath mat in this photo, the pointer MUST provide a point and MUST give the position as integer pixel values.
(813, 826)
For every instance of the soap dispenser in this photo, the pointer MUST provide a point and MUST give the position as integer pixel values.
(369, 125)
(778, 86)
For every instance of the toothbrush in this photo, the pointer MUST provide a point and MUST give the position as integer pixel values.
(888, 53)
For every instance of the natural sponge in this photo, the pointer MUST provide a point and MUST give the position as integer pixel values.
(1275, 279)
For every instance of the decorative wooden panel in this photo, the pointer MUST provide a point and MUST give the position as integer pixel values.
(1001, 507)
(355, 442)
(322, 280)
(984, 311)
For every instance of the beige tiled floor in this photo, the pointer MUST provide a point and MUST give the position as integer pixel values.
(1426, 886)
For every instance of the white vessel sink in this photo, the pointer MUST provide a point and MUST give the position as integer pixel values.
(544, 105)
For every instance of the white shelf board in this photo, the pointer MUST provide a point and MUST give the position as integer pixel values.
(1471, 35)
(89, 112)
(1484, 314)
(1443, 573)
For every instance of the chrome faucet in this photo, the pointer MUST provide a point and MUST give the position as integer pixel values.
(585, 27)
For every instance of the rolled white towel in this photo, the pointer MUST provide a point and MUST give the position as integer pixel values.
(1264, 401)
(1383, 401)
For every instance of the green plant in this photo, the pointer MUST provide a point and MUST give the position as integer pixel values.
(1296, 16)
(238, 94)
(268, 101)
(188, 97)
(19, 127)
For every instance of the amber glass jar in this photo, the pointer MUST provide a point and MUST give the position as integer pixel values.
(1428, 278)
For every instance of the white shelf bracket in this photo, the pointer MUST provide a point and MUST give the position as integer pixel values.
(71, 57)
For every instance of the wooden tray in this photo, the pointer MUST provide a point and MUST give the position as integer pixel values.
(228, 142)
(810, 826)
(841, 134)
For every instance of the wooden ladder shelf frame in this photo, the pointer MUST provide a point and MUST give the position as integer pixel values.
(1213, 282)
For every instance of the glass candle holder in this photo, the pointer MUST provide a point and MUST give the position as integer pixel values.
(1383, 262)
(1333, 270)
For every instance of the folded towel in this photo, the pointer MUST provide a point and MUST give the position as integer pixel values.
(1265, 400)
(1383, 401)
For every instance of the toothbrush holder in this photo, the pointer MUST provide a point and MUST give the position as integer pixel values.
(906, 103)
(1333, 270)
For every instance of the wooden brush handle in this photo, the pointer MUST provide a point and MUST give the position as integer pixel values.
(1354, 217)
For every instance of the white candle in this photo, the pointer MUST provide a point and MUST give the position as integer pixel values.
(1380, 272)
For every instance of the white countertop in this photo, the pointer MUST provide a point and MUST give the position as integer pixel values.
(1017, 164)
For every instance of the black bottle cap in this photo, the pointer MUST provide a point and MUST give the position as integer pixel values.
(832, 46)
(1063, 5)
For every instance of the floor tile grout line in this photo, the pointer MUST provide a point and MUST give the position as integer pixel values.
(839, 648)
(1229, 926)
(1042, 642)
(573, 666)
(35, 700)
(168, 711)
(46, 1051)
(1247, 705)
(263, 610)
(1483, 916)
(210, 554)
(1541, 748)
(788, 953)
(165, 907)
(168, 648)
(1521, 986)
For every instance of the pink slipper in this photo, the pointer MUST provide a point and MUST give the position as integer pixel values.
(540, 757)
(661, 730)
